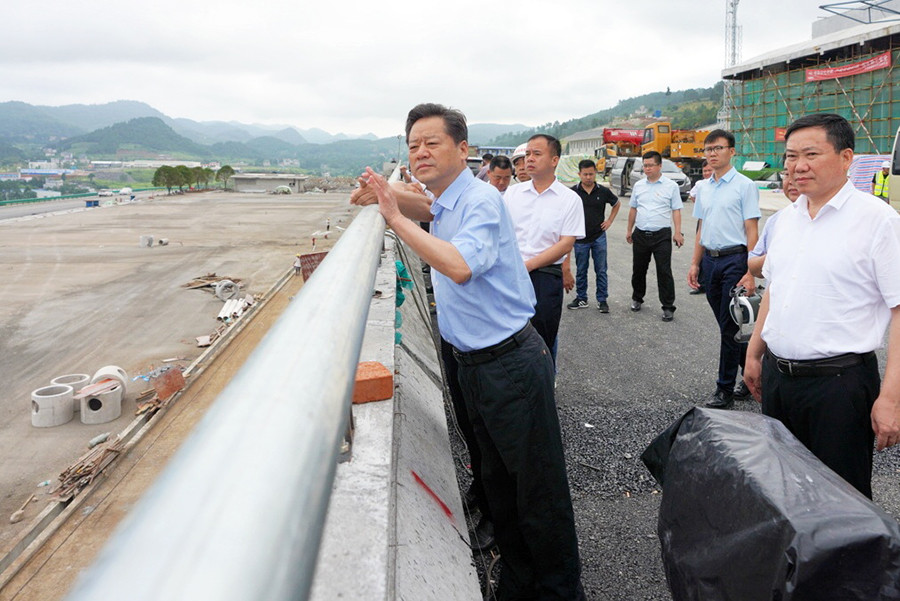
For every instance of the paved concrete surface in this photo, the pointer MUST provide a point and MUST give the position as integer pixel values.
(79, 293)
(624, 377)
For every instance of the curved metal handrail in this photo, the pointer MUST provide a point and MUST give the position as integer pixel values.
(239, 511)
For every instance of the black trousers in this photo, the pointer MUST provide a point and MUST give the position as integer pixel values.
(830, 415)
(658, 246)
(510, 401)
(720, 276)
(451, 369)
(548, 289)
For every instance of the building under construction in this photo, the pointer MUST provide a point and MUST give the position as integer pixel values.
(846, 68)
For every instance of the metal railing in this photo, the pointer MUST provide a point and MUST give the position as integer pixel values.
(239, 511)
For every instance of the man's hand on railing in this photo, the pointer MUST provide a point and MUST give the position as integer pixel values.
(387, 200)
(364, 195)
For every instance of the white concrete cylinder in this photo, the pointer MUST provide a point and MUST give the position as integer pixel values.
(76, 381)
(112, 372)
(52, 406)
(102, 407)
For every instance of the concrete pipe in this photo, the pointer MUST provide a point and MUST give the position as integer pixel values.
(102, 407)
(76, 381)
(146, 241)
(52, 406)
(112, 372)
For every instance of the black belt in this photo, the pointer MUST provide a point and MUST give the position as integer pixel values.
(495, 350)
(728, 250)
(830, 366)
(651, 232)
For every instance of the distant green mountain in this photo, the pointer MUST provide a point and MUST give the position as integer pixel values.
(23, 122)
(144, 134)
(88, 117)
(482, 133)
(667, 102)
(10, 155)
(271, 148)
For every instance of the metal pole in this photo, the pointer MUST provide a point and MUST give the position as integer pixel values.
(239, 511)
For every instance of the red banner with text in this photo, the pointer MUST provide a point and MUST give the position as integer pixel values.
(882, 61)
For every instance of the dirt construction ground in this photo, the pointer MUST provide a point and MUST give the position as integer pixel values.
(80, 293)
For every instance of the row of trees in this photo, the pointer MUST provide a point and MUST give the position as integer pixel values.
(179, 176)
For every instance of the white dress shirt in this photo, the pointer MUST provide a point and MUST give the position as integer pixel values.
(541, 219)
(834, 279)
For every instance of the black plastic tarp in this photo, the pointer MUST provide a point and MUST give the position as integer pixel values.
(748, 513)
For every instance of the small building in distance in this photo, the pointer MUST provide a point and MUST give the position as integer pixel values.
(267, 182)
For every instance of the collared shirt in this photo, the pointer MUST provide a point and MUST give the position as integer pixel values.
(724, 205)
(498, 300)
(594, 205)
(834, 279)
(540, 219)
(762, 244)
(655, 202)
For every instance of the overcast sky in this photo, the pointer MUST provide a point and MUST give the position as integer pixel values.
(355, 66)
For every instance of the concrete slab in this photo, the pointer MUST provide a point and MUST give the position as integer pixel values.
(79, 293)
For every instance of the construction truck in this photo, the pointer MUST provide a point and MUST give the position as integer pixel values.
(617, 142)
(683, 146)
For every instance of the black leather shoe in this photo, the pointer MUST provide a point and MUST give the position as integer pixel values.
(482, 536)
(741, 393)
(700, 290)
(668, 315)
(636, 305)
(721, 400)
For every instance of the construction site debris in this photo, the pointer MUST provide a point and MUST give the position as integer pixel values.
(211, 279)
(234, 308)
(99, 387)
(20, 512)
(167, 383)
(226, 289)
(86, 469)
(203, 341)
(98, 439)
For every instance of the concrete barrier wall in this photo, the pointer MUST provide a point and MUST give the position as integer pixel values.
(395, 526)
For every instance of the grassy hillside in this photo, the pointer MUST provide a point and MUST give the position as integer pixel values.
(668, 102)
(135, 137)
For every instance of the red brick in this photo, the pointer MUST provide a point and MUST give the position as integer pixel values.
(374, 382)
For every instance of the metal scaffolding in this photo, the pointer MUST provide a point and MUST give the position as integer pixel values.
(766, 98)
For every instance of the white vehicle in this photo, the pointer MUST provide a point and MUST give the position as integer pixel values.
(105, 192)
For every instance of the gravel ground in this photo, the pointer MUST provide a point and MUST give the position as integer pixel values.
(623, 378)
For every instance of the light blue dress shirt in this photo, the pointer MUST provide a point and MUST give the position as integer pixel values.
(498, 300)
(762, 245)
(723, 206)
(654, 202)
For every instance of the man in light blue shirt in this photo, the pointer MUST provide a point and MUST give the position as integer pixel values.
(727, 212)
(655, 206)
(484, 301)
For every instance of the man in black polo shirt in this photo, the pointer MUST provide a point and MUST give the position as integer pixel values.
(594, 198)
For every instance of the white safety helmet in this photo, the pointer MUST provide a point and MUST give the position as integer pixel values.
(743, 311)
(519, 152)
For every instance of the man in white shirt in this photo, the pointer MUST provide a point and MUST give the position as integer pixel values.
(655, 206)
(548, 217)
(834, 287)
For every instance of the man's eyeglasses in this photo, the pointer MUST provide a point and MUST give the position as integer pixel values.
(714, 149)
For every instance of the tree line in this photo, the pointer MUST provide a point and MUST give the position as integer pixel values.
(179, 176)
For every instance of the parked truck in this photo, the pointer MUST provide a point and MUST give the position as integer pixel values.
(617, 142)
(683, 146)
